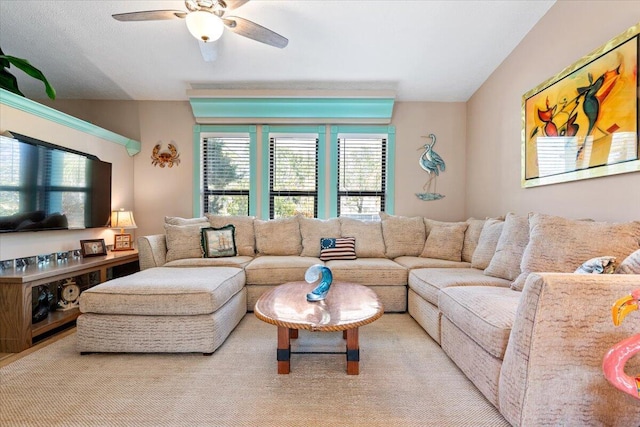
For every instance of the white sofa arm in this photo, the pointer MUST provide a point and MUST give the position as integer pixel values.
(552, 369)
(152, 251)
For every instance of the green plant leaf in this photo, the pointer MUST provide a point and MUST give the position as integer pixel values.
(9, 82)
(29, 69)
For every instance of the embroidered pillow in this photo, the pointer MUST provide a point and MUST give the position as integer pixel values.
(337, 248)
(598, 265)
(630, 265)
(219, 242)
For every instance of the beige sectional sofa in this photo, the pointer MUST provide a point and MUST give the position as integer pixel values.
(499, 295)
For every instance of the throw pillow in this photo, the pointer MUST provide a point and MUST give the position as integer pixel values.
(403, 236)
(312, 230)
(278, 236)
(491, 231)
(511, 244)
(337, 248)
(368, 235)
(598, 265)
(560, 245)
(630, 265)
(219, 242)
(183, 241)
(445, 241)
(245, 234)
(471, 237)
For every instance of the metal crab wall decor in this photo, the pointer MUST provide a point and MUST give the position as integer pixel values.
(170, 158)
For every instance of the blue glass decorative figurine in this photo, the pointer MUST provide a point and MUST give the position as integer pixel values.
(323, 274)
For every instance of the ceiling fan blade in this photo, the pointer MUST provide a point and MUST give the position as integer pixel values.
(150, 15)
(209, 50)
(249, 29)
(234, 4)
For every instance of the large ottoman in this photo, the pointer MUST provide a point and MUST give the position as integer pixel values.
(163, 309)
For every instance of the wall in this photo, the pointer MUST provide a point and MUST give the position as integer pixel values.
(15, 245)
(566, 33)
(169, 191)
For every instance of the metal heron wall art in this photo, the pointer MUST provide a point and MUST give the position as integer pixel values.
(431, 162)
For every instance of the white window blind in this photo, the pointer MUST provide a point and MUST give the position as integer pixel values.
(293, 176)
(361, 177)
(226, 175)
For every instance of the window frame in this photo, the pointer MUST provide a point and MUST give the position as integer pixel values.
(200, 132)
(354, 131)
(318, 132)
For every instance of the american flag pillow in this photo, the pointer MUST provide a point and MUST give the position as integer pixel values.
(337, 248)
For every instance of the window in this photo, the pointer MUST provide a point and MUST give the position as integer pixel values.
(293, 176)
(361, 176)
(226, 165)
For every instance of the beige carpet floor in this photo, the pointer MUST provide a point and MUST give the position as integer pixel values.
(405, 380)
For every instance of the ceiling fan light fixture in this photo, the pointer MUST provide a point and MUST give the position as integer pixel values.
(204, 25)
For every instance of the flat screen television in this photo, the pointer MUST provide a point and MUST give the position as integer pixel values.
(47, 187)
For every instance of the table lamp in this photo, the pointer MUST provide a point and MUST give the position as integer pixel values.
(123, 220)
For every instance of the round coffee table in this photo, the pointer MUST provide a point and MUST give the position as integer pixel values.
(347, 307)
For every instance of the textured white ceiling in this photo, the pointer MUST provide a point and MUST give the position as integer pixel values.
(424, 50)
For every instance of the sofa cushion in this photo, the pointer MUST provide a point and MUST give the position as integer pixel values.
(313, 229)
(403, 236)
(176, 220)
(278, 236)
(337, 248)
(165, 291)
(445, 241)
(630, 265)
(245, 234)
(183, 241)
(427, 282)
(276, 270)
(369, 271)
(487, 242)
(561, 245)
(412, 262)
(368, 234)
(219, 242)
(471, 237)
(513, 239)
(232, 261)
(484, 313)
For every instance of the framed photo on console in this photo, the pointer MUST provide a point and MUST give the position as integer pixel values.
(122, 242)
(94, 247)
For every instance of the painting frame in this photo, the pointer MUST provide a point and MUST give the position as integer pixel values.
(92, 247)
(578, 148)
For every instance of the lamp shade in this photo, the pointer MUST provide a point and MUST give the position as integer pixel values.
(123, 219)
(204, 25)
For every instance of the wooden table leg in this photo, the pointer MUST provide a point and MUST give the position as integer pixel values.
(284, 350)
(353, 352)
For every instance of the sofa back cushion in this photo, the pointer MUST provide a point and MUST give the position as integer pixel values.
(403, 236)
(176, 220)
(561, 245)
(445, 241)
(278, 236)
(487, 243)
(313, 229)
(471, 238)
(630, 265)
(183, 241)
(368, 234)
(511, 244)
(245, 234)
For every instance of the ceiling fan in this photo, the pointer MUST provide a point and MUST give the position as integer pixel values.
(206, 21)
